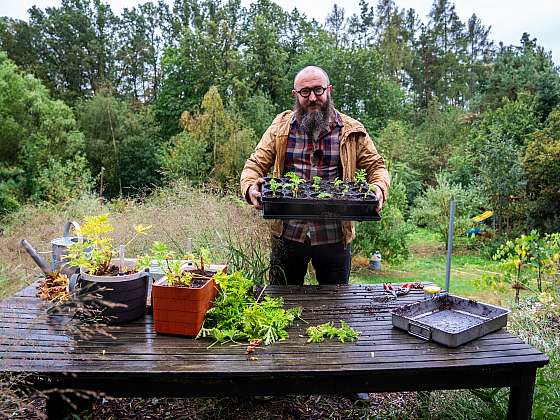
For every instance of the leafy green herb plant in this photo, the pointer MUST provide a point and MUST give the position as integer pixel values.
(239, 316)
(344, 334)
(324, 195)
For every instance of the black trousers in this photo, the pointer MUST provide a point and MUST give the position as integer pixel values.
(289, 260)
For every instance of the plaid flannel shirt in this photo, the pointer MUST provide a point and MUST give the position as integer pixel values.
(299, 159)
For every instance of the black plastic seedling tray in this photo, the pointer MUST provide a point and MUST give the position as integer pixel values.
(353, 204)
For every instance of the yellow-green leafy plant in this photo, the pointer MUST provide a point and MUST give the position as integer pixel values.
(95, 251)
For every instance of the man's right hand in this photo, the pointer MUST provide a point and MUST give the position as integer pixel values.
(255, 193)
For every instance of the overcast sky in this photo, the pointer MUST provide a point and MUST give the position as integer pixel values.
(508, 18)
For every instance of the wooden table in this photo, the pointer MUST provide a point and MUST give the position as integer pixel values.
(137, 362)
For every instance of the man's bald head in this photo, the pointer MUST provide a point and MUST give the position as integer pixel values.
(311, 70)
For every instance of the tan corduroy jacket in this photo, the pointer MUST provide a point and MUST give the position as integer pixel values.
(356, 152)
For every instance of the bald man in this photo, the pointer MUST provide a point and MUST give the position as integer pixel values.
(313, 139)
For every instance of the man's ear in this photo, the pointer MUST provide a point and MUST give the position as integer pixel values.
(294, 93)
(329, 88)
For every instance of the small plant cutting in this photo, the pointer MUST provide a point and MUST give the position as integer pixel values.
(181, 298)
(238, 316)
(344, 334)
(119, 286)
(324, 196)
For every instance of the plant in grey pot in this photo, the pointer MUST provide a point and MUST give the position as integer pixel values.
(119, 287)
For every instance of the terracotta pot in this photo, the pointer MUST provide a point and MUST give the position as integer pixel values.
(181, 310)
(130, 290)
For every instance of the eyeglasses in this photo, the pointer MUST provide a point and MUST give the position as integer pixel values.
(317, 90)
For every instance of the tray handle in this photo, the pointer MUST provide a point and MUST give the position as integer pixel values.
(419, 330)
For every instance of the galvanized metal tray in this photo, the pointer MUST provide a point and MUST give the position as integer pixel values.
(449, 320)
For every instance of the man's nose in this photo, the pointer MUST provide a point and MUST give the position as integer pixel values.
(312, 96)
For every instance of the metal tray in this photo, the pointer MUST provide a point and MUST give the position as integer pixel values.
(449, 320)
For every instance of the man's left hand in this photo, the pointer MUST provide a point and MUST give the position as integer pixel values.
(379, 195)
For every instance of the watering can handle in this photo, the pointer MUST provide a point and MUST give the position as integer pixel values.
(68, 225)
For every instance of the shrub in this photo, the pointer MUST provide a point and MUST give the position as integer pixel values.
(432, 208)
(390, 235)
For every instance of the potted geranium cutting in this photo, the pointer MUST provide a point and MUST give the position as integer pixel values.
(118, 286)
(181, 298)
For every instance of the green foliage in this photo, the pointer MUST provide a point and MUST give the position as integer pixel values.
(435, 141)
(344, 334)
(9, 197)
(497, 141)
(41, 153)
(212, 141)
(541, 163)
(122, 144)
(518, 69)
(238, 316)
(432, 208)
(390, 235)
(60, 182)
(535, 321)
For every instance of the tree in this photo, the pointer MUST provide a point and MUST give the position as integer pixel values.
(432, 208)
(522, 69)
(76, 48)
(40, 141)
(141, 42)
(213, 143)
(541, 163)
(335, 23)
(497, 142)
(122, 145)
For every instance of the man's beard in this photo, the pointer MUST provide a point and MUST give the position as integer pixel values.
(314, 122)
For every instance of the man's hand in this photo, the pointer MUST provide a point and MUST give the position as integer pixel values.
(379, 195)
(255, 193)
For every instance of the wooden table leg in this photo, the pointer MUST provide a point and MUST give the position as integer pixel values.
(521, 396)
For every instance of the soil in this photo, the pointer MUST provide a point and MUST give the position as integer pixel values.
(387, 405)
(308, 190)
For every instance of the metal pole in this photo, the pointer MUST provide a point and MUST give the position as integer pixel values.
(449, 245)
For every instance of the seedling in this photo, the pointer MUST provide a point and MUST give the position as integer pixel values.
(294, 184)
(372, 188)
(274, 186)
(324, 195)
(338, 183)
(316, 183)
(361, 178)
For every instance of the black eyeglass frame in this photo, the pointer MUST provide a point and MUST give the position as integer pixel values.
(313, 89)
